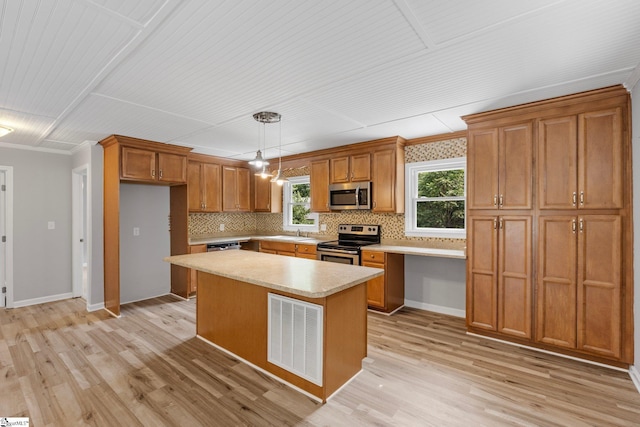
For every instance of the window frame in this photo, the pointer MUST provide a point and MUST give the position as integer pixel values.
(412, 171)
(287, 204)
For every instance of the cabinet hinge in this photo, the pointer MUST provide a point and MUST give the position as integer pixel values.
(4, 239)
(3, 187)
(4, 289)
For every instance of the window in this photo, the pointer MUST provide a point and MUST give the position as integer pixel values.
(297, 205)
(435, 198)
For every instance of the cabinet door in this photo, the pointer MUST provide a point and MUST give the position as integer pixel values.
(375, 287)
(514, 276)
(516, 162)
(139, 165)
(482, 266)
(384, 182)
(320, 186)
(193, 273)
(361, 167)
(557, 163)
(600, 159)
(599, 284)
(339, 169)
(482, 169)
(262, 194)
(244, 189)
(229, 189)
(211, 185)
(556, 290)
(172, 168)
(306, 251)
(194, 177)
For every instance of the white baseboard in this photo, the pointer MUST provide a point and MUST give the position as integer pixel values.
(42, 300)
(95, 307)
(634, 373)
(435, 308)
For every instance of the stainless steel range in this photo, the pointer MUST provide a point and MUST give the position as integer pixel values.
(351, 238)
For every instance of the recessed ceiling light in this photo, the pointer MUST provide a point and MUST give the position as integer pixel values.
(4, 130)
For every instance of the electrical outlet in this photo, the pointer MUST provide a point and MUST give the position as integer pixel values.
(323, 227)
(51, 225)
(136, 231)
(221, 227)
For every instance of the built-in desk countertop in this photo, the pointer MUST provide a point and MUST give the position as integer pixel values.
(298, 276)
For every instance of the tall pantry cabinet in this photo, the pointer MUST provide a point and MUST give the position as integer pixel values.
(549, 231)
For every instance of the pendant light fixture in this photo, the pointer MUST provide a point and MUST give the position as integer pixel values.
(263, 117)
(279, 178)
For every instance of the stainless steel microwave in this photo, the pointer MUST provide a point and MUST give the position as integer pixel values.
(350, 195)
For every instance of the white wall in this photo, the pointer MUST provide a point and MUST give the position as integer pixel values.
(143, 273)
(435, 284)
(41, 193)
(92, 154)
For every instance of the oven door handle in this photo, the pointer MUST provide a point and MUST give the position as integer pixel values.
(338, 251)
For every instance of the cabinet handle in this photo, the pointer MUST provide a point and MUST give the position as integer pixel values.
(495, 200)
(153, 173)
(202, 205)
(160, 173)
(574, 199)
(573, 226)
(501, 224)
(501, 200)
(495, 223)
(581, 225)
(582, 198)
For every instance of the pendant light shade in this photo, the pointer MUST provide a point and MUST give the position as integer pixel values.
(5, 130)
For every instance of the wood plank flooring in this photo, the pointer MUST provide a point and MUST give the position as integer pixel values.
(62, 366)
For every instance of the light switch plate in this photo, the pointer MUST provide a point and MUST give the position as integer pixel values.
(323, 227)
(51, 225)
(136, 231)
(221, 227)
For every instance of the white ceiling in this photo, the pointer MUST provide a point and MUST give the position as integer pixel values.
(194, 72)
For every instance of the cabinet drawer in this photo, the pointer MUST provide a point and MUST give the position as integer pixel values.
(373, 256)
(306, 249)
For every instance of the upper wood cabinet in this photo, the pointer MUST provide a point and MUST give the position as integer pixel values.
(319, 186)
(236, 189)
(153, 166)
(499, 167)
(352, 168)
(267, 195)
(388, 180)
(204, 182)
(580, 161)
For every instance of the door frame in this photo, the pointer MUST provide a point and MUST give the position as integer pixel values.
(7, 171)
(80, 204)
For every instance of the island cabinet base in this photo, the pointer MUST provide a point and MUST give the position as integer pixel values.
(234, 316)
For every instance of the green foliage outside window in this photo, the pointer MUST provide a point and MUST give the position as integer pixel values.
(448, 212)
(300, 206)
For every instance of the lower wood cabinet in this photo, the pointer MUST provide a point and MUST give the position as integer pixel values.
(499, 274)
(579, 283)
(386, 292)
(278, 248)
(192, 280)
(306, 251)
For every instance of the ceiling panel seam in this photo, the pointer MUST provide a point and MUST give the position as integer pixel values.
(158, 18)
(417, 26)
(131, 22)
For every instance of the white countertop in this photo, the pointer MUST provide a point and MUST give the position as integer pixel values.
(298, 276)
(405, 247)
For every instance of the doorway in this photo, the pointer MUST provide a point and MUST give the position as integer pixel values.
(6, 236)
(80, 221)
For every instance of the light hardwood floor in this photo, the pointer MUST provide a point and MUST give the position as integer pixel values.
(60, 365)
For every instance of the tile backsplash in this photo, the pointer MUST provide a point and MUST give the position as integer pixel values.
(392, 224)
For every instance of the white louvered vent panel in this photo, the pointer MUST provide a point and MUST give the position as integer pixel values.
(295, 337)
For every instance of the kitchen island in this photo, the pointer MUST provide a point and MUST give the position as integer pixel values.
(302, 321)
